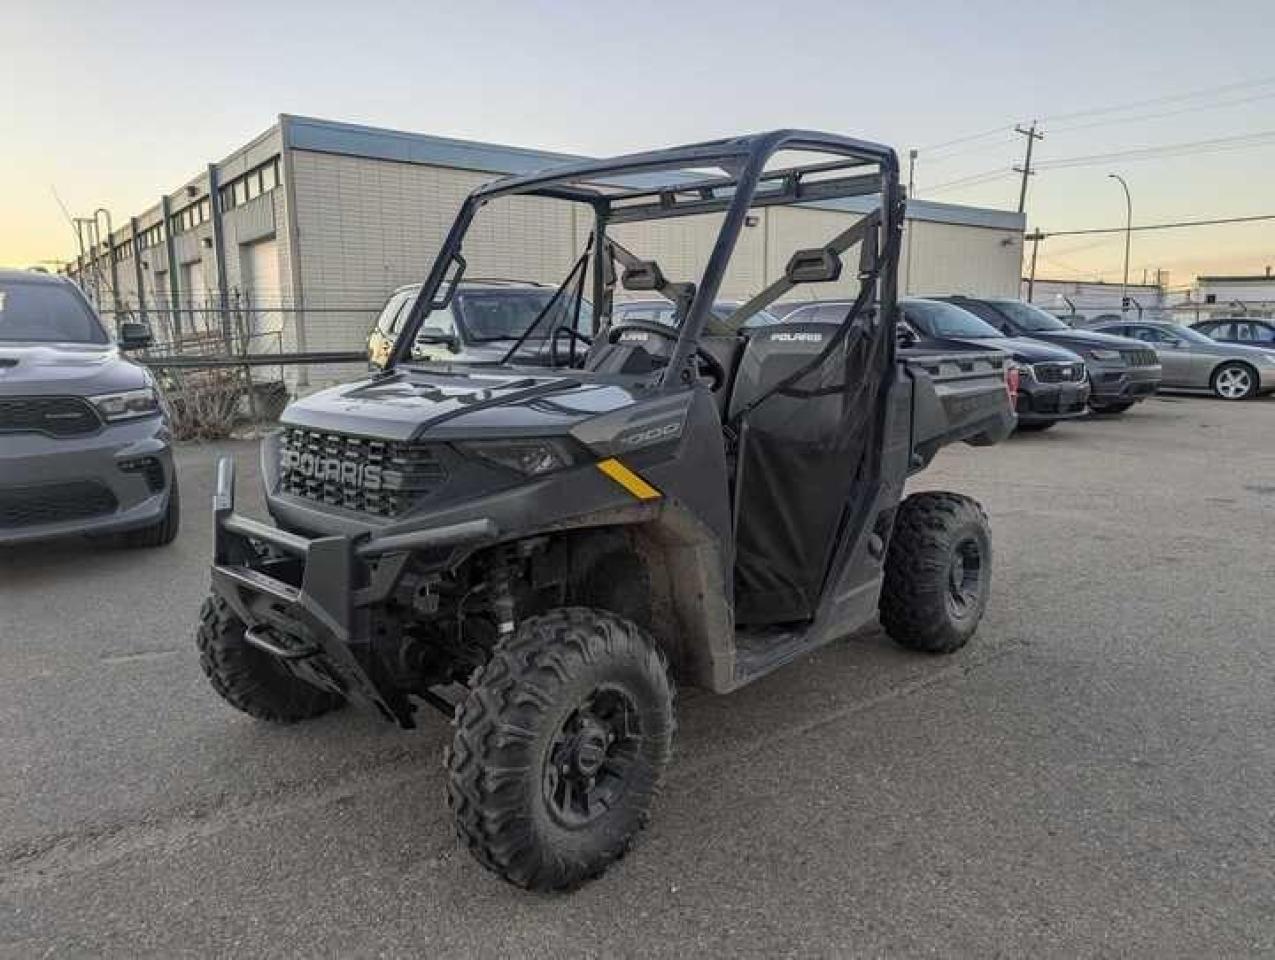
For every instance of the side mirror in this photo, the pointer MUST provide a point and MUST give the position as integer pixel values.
(134, 335)
(904, 335)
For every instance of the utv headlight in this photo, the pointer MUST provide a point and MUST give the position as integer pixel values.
(529, 457)
(127, 405)
(1103, 354)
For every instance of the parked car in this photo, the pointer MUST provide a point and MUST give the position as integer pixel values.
(84, 436)
(661, 311)
(1052, 385)
(480, 324)
(1121, 372)
(1249, 331)
(1192, 361)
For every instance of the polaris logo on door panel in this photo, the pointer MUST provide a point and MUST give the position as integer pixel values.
(796, 338)
(349, 474)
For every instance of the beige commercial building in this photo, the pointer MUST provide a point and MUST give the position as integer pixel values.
(297, 238)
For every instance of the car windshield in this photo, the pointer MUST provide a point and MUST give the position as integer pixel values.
(937, 319)
(1029, 317)
(489, 315)
(662, 312)
(45, 313)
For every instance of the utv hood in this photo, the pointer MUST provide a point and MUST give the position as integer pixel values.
(458, 404)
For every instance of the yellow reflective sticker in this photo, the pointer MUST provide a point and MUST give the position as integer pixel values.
(629, 480)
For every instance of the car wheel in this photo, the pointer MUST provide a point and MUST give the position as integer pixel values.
(559, 748)
(1234, 381)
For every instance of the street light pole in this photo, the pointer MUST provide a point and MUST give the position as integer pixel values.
(1128, 237)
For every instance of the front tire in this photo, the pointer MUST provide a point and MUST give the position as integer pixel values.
(559, 748)
(1234, 381)
(938, 572)
(249, 679)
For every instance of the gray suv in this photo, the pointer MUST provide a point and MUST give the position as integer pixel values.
(84, 438)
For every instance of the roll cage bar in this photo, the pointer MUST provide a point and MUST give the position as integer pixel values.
(630, 189)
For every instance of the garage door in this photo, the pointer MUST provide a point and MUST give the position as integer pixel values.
(262, 292)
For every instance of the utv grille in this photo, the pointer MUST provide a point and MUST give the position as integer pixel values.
(54, 503)
(1059, 372)
(381, 477)
(1140, 358)
(55, 416)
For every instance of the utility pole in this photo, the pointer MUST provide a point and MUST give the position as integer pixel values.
(1035, 238)
(911, 172)
(1026, 169)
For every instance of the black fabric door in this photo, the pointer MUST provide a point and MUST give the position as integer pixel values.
(803, 452)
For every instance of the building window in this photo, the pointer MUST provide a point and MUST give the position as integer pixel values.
(250, 185)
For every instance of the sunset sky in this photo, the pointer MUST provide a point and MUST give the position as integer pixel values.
(111, 104)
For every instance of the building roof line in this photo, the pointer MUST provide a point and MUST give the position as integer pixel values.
(356, 140)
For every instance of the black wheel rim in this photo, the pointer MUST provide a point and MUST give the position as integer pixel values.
(965, 578)
(591, 757)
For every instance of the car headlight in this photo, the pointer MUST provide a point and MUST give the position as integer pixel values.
(1024, 370)
(1103, 354)
(529, 457)
(127, 405)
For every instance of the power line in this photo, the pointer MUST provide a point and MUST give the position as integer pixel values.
(1153, 101)
(974, 179)
(1243, 141)
(966, 139)
(1161, 226)
(1068, 128)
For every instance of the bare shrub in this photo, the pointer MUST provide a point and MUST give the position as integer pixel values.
(205, 404)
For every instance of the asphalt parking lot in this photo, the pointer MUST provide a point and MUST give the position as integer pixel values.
(1093, 775)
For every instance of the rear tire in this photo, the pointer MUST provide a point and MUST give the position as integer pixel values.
(164, 532)
(1234, 381)
(559, 748)
(1036, 426)
(938, 572)
(249, 679)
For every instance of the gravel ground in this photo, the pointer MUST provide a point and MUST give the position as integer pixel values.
(1092, 775)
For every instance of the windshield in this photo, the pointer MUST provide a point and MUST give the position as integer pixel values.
(662, 312)
(45, 313)
(489, 315)
(936, 319)
(1029, 317)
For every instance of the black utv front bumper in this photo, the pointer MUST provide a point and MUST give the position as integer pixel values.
(310, 603)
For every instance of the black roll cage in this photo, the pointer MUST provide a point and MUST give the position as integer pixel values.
(746, 185)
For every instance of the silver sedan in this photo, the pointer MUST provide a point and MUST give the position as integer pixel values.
(1192, 361)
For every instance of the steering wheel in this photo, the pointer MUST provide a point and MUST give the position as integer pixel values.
(573, 335)
(709, 365)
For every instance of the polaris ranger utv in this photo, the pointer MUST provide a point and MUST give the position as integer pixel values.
(541, 551)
